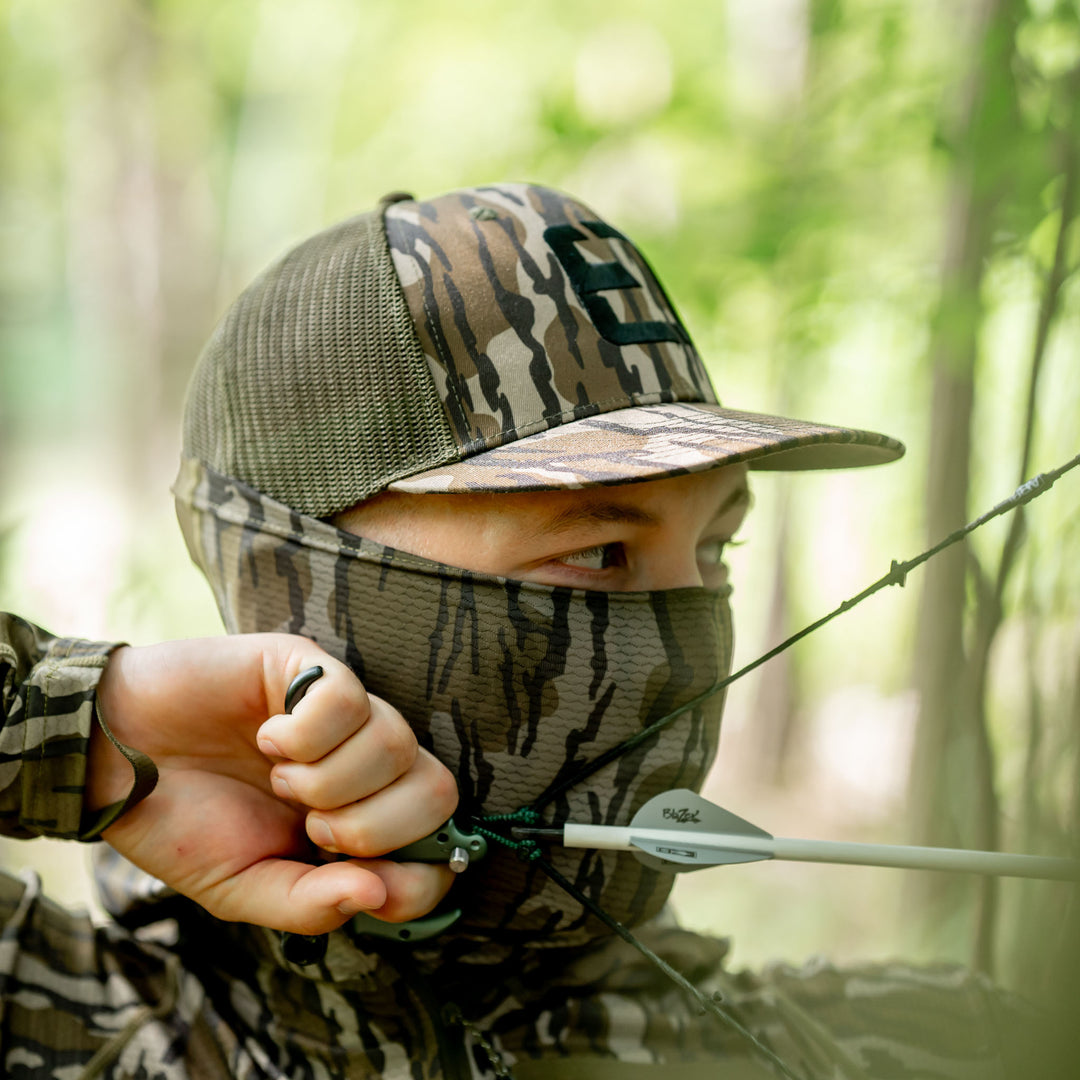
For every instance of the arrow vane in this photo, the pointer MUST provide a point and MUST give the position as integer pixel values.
(680, 831)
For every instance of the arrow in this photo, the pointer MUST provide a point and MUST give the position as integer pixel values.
(680, 831)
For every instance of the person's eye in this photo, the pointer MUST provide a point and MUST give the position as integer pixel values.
(711, 553)
(601, 557)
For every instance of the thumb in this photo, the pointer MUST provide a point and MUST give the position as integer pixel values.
(283, 894)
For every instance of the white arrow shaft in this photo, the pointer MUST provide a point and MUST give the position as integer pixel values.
(620, 838)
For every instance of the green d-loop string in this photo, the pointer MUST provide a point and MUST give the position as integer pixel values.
(529, 849)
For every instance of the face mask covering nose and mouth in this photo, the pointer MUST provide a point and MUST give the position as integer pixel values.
(516, 687)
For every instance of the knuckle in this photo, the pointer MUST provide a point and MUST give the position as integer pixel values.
(398, 745)
(443, 789)
(343, 712)
(355, 697)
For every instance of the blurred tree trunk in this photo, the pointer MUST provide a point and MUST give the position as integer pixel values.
(114, 232)
(1042, 948)
(1042, 952)
(774, 713)
(990, 611)
(952, 760)
(142, 254)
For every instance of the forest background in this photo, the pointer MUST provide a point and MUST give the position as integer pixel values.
(866, 213)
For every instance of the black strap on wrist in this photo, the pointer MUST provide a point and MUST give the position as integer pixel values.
(94, 822)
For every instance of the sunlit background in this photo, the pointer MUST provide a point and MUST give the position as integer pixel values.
(865, 211)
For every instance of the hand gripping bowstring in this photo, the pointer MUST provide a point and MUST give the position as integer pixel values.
(495, 826)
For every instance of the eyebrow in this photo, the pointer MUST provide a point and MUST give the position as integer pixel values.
(600, 512)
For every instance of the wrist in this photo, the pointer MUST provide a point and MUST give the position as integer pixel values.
(117, 774)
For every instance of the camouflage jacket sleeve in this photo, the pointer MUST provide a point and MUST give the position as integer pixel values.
(48, 686)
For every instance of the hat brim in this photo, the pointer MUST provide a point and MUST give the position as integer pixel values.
(653, 441)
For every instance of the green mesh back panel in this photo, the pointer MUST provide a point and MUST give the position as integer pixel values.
(313, 388)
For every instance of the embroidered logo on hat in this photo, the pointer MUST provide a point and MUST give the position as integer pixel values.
(591, 279)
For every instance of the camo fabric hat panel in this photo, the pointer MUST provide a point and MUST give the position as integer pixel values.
(511, 685)
(532, 312)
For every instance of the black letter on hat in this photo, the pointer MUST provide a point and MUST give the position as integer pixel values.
(589, 279)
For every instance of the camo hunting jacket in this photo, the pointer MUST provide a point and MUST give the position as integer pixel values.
(186, 996)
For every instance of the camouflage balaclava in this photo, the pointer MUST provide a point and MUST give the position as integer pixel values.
(512, 685)
(495, 339)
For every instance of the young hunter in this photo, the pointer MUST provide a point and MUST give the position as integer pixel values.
(461, 455)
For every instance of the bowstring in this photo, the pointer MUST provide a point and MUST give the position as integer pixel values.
(708, 1002)
(529, 849)
(897, 575)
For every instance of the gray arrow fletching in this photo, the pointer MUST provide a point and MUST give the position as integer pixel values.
(686, 812)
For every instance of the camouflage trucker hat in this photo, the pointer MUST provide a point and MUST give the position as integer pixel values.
(498, 338)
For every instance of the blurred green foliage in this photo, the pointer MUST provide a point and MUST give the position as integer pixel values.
(789, 166)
